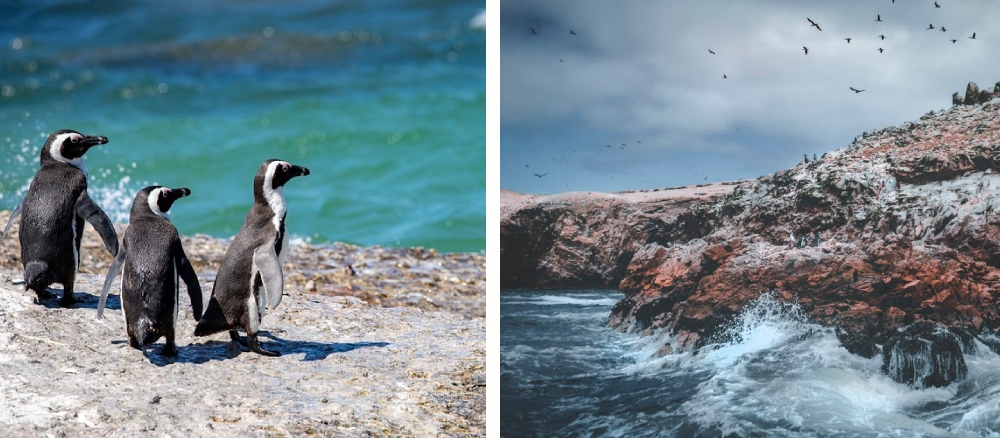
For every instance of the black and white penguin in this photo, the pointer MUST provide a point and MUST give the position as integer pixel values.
(153, 260)
(53, 212)
(250, 280)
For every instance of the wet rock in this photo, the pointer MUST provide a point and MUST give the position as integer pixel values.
(924, 354)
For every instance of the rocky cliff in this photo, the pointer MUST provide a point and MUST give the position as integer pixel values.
(588, 238)
(893, 230)
(892, 240)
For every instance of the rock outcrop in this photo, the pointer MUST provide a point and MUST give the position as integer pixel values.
(588, 239)
(894, 230)
(975, 96)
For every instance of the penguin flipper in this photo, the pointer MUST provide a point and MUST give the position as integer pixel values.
(88, 210)
(13, 215)
(265, 262)
(116, 266)
(186, 272)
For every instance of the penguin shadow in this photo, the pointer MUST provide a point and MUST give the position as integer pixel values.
(222, 350)
(83, 300)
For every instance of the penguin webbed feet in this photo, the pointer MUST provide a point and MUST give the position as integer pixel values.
(252, 343)
(235, 336)
(169, 350)
(68, 299)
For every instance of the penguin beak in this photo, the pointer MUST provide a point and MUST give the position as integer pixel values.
(94, 140)
(179, 193)
(298, 171)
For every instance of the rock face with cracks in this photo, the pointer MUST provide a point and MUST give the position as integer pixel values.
(896, 229)
(587, 238)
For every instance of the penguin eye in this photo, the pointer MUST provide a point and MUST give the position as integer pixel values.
(285, 167)
(74, 139)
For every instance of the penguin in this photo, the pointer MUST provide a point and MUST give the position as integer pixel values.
(153, 259)
(249, 281)
(52, 215)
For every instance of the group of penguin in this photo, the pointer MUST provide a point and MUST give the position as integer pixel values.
(151, 258)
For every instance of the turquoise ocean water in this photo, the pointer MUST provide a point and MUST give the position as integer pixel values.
(384, 101)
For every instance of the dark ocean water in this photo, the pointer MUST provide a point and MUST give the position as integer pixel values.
(563, 373)
(384, 101)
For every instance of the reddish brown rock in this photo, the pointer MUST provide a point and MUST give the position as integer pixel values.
(588, 239)
(897, 228)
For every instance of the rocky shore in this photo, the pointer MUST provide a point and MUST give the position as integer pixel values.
(892, 240)
(374, 341)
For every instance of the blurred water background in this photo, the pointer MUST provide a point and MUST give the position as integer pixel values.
(384, 101)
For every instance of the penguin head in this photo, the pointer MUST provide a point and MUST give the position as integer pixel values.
(273, 174)
(157, 199)
(68, 146)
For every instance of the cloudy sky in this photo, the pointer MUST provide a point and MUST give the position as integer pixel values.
(639, 73)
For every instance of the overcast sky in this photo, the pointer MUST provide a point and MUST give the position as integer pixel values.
(640, 73)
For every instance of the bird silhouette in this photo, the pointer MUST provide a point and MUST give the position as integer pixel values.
(806, 49)
(637, 141)
(560, 60)
(880, 50)
(526, 165)
(931, 26)
(882, 36)
(936, 5)
(571, 31)
(541, 175)
(813, 23)
(855, 90)
(954, 41)
(724, 77)
(848, 40)
(710, 51)
(878, 17)
(943, 29)
(623, 148)
(973, 36)
(607, 146)
(533, 31)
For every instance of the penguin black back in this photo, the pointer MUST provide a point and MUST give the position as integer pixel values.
(53, 212)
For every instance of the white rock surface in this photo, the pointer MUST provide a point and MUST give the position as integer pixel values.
(347, 369)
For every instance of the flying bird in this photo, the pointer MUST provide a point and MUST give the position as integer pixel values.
(943, 29)
(710, 51)
(954, 41)
(526, 165)
(533, 31)
(541, 175)
(571, 31)
(936, 5)
(973, 36)
(848, 40)
(814, 24)
(878, 17)
(607, 146)
(560, 60)
(623, 148)
(637, 141)
(931, 26)
(882, 36)
(806, 49)
(880, 50)
(855, 90)
(724, 77)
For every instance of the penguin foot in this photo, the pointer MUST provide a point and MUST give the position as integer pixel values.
(41, 295)
(169, 350)
(235, 336)
(132, 342)
(68, 300)
(255, 347)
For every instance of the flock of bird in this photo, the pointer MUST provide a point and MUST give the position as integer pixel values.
(878, 18)
(805, 50)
